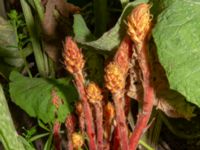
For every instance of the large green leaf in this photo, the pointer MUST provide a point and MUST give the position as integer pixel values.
(109, 40)
(34, 95)
(177, 37)
(8, 134)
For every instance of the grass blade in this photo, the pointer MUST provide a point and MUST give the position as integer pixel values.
(34, 39)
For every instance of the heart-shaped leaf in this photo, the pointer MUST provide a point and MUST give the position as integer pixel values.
(177, 37)
(34, 96)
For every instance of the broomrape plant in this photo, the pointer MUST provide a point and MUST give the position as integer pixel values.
(116, 72)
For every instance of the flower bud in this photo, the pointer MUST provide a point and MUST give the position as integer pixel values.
(94, 92)
(114, 78)
(77, 140)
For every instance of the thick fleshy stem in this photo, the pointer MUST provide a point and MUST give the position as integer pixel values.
(121, 120)
(139, 27)
(147, 105)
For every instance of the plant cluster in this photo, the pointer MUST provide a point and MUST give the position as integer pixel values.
(116, 73)
(103, 89)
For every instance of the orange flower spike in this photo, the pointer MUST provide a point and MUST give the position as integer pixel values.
(139, 23)
(73, 58)
(114, 78)
(94, 93)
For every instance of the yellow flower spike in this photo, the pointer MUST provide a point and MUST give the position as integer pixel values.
(77, 140)
(114, 78)
(139, 23)
(73, 58)
(94, 92)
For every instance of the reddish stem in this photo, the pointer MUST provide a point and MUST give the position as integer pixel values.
(116, 140)
(121, 120)
(123, 54)
(81, 122)
(99, 125)
(79, 80)
(122, 58)
(57, 140)
(147, 106)
(127, 104)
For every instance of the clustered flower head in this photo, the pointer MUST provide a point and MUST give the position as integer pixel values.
(94, 93)
(73, 58)
(114, 78)
(139, 23)
(77, 140)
